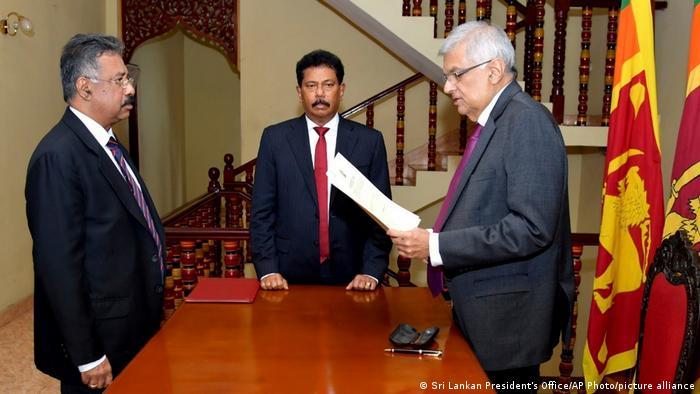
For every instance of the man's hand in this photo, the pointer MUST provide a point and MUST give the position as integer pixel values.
(362, 282)
(98, 377)
(274, 282)
(413, 244)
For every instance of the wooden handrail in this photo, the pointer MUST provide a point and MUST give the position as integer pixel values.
(359, 107)
(189, 206)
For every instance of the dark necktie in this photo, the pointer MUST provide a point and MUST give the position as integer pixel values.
(320, 168)
(137, 193)
(435, 277)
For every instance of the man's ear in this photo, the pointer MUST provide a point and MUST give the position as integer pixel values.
(496, 70)
(83, 87)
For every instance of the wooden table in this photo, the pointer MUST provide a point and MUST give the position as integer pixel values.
(310, 339)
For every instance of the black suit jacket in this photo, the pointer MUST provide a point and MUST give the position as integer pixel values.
(284, 220)
(98, 284)
(505, 244)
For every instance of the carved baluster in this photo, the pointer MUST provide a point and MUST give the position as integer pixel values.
(609, 64)
(539, 51)
(511, 20)
(228, 172)
(480, 10)
(188, 263)
(561, 11)
(404, 274)
(168, 288)
(566, 365)
(370, 115)
(449, 16)
(529, 45)
(417, 8)
(462, 12)
(249, 175)
(433, 13)
(228, 209)
(199, 267)
(178, 290)
(462, 133)
(209, 267)
(400, 108)
(584, 68)
(236, 211)
(232, 259)
(215, 247)
(406, 8)
(432, 126)
(168, 298)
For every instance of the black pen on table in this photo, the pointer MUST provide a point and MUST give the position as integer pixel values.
(420, 352)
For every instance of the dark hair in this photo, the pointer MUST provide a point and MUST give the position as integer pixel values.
(317, 58)
(79, 58)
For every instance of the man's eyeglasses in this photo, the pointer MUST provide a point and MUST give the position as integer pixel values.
(122, 82)
(456, 75)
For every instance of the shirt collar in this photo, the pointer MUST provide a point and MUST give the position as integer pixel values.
(484, 116)
(101, 135)
(332, 124)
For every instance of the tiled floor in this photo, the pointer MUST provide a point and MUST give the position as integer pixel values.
(17, 371)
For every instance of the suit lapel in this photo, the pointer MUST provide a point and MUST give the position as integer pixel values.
(345, 145)
(298, 139)
(484, 139)
(106, 166)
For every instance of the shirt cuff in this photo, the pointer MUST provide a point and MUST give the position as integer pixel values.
(89, 366)
(271, 273)
(434, 249)
(376, 281)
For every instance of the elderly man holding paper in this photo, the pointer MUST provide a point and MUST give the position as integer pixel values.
(303, 231)
(502, 235)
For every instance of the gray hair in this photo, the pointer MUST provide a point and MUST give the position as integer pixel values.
(483, 42)
(79, 58)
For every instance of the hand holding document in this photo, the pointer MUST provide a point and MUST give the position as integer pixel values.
(348, 179)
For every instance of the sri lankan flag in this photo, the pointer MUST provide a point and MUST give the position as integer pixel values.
(633, 216)
(683, 209)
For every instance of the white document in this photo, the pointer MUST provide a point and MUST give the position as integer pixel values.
(348, 179)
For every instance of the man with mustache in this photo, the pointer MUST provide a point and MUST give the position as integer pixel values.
(302, 229)
(98, 242)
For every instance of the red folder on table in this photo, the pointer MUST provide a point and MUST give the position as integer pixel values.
(224, 290)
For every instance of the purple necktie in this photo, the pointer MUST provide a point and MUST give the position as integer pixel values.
(138, 195)
(436, 282)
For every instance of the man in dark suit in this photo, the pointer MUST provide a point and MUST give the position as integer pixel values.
(302, 229)
(98, 241)
(502, 236)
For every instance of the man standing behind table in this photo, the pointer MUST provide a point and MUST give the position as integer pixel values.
(502, 235)
(302, 229)
(98, 241)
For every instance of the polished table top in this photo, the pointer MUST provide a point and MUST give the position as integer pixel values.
(310, 339)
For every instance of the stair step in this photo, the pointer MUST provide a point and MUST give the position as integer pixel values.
(424, 167)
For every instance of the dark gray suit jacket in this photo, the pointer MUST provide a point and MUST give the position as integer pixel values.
(506, 241)
(97, 279)
(284, 217)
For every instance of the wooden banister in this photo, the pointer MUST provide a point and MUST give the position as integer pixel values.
(384, 93)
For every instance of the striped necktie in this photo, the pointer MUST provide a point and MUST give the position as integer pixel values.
(116, 150)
